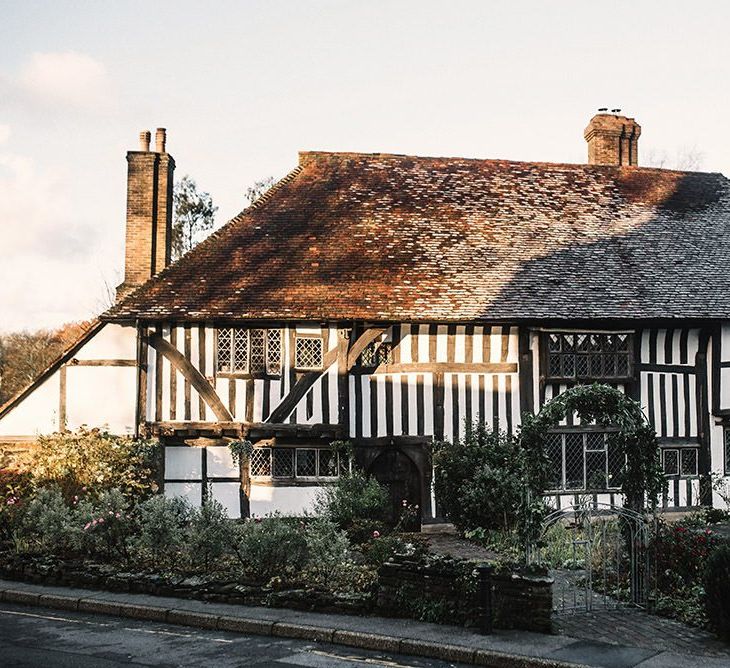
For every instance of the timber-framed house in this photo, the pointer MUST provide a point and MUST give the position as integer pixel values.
(387, 300)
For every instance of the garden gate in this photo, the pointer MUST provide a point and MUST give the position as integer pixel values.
(598, 555)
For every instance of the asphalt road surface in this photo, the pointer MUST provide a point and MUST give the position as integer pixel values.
(59, 639)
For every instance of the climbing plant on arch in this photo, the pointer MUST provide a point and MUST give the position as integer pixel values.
(642, 479)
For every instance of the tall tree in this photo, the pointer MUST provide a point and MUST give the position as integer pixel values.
(194, 215)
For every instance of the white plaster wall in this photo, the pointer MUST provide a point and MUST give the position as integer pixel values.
(228, 494)
(192, 492)
(37, 413)
(101, 396)
(95, 396)
(183, 463)
(220, 462)
(266, 499)
(112, 342)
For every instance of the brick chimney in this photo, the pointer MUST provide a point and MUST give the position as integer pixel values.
(612, 139)
(149, 211)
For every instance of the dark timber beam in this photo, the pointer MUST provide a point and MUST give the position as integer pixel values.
(301, 387)
(190, 373)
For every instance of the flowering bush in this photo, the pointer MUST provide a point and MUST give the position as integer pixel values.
(14, 487)
(107, 526)
(97, 460)
(681, 553)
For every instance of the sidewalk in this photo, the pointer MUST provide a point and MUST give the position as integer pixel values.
(509, 649)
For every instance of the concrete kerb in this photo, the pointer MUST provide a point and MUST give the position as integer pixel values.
(282, 629)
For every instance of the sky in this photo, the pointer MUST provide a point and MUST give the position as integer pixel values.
(242, 86)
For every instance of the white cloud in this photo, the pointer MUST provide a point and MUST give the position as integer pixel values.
(69, 78)
(49, 271)
(4, 133)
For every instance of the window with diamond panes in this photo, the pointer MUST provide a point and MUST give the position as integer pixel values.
(253, 351)
(306, 463)
(376, 353)
(282, 463)
(680, 461)
(583, 461)
(260, 462)
(588, 356)
(309, 353)
(273, 351)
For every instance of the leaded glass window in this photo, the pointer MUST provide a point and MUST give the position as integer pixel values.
(583, 460)
(309, 353)
(375, 354)
(680, 461)
(578, 356)
(253, 351)
(306, 463)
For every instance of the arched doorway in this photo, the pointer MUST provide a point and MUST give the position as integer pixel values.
(397, 471)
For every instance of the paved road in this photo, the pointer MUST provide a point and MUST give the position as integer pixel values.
(55, 639)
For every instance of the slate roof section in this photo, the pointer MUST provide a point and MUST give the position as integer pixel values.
(396, 238)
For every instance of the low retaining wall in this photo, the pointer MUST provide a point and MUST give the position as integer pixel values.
(446, 591)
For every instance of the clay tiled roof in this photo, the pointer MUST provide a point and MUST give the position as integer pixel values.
(388, 237)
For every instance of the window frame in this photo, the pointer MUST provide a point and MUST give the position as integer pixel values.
(267, 372)
(297, 338)
(295, 478)
(679, 449)
(584, 432)
(376, 347)
(576, 378)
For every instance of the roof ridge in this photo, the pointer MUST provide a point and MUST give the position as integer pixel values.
(306, 156)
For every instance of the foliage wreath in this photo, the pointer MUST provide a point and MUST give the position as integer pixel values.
(642, 478)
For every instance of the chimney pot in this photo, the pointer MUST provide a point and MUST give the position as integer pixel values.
(144, 140)
(160, 140)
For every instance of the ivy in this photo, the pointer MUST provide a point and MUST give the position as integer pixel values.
(642, 476)
(240, 451)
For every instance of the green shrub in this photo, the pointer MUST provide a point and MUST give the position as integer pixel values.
(328, 550)
(717, 590)
(268, 547)
(480, 479)
(209, 536)
(161, 531)
(108, 526)
(48, 525)
(382, 548)
(94, 461)
(353, 497)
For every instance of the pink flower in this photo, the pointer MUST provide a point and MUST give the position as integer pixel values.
(101, 520)
(11, 501)
(111, 513)
(376, 534)
(118, 515)
(87, 525)
(93, 523)
(83, 489)
(404, 502)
